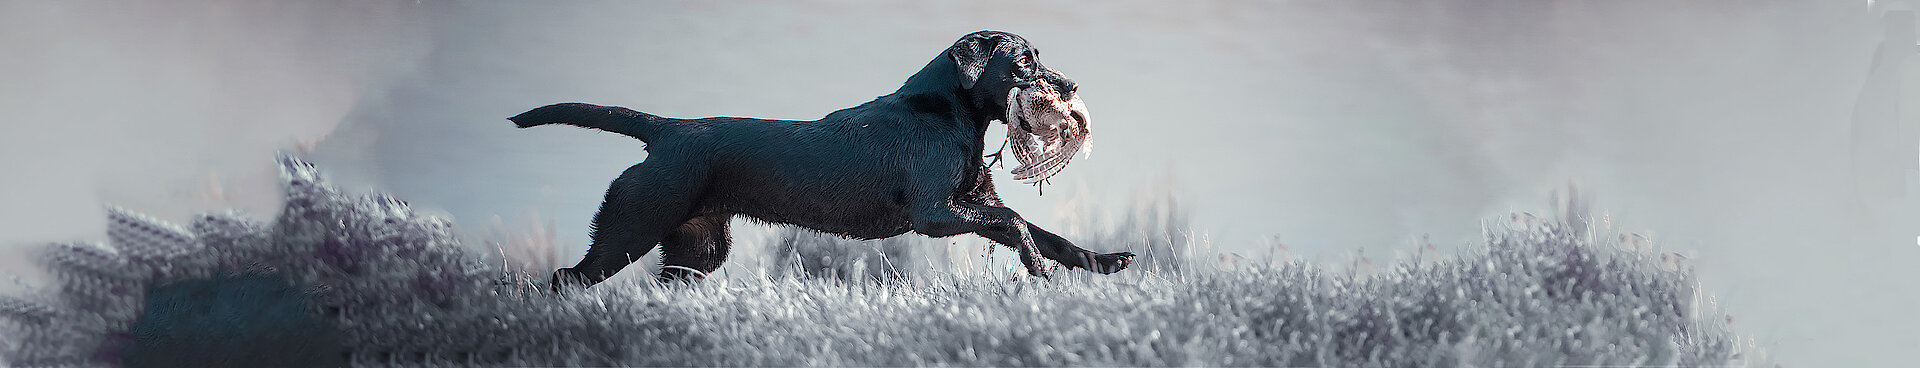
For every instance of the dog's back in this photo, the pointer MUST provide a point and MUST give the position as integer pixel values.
(834, 175)
(780, 171)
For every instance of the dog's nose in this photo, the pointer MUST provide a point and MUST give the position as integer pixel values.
(1069, 86)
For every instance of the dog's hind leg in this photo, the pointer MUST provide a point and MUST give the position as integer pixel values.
(642, 206)
(695, 249)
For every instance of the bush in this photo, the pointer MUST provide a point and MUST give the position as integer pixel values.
(387, 287)
(1155, 225)
(806, 253)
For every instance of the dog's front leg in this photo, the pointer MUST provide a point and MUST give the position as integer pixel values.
(1059, 249)
(999, 224)
(1052, 246)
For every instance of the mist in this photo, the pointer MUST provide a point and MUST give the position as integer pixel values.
(1719, 128)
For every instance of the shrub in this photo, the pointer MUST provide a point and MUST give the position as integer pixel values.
(1155, 225)
(806, 253)
(367, 279)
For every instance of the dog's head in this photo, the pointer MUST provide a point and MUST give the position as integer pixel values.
(1046, 123)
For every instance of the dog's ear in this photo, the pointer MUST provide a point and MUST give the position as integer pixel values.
(995, 77)
(972, 52)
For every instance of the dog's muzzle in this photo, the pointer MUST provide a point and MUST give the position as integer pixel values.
(1045, 131)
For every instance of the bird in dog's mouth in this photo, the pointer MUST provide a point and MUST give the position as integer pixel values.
(1045, 131)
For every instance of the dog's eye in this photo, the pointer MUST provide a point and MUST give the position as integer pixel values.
(1022, 62)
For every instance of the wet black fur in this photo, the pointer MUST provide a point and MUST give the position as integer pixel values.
(907, 161)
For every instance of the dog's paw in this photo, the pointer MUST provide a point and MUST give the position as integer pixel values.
(1111, 262)
(1039, 272)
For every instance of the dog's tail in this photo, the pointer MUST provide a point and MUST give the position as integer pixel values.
(640, 125)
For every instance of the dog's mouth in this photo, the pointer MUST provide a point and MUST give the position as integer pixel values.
(1045, 131)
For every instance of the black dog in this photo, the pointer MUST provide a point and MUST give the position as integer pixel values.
(911, 160)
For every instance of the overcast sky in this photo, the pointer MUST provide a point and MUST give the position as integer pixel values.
(1719, 127)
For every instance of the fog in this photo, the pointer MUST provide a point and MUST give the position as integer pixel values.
(1723, 129)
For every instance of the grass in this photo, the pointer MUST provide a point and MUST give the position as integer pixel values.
(362, 280)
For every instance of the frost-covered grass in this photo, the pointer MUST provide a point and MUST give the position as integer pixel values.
(392, 288)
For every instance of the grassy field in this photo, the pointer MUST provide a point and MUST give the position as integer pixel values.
(362, 280)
